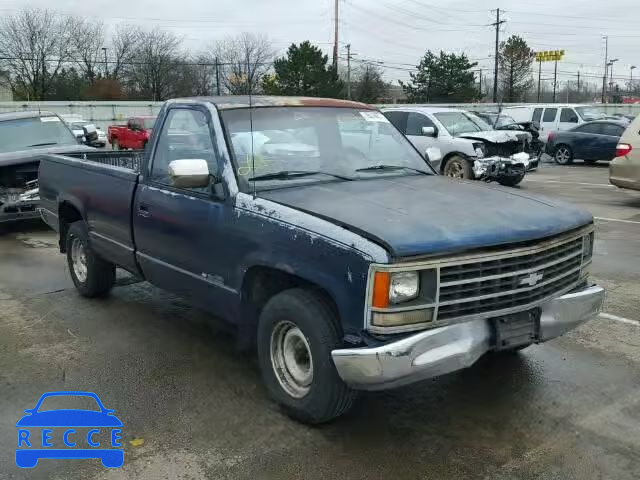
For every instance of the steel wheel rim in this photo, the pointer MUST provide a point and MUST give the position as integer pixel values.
(454, 169)
(79, 259)
(291, 359)
(562, 155)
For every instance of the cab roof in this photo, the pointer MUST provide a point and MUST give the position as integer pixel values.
(229, 102)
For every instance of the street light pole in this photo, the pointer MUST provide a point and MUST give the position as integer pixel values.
(631, 78)
(106, 69)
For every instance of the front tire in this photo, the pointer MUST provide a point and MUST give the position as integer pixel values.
(297, 331)
(512, 181)
(563, 155)
(91, 275)
(457, 167)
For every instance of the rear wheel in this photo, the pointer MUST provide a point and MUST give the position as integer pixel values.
(297, 331)
(91, 275)
(457, 167)
(563, 155)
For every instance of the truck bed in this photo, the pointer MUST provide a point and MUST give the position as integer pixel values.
(100, 186)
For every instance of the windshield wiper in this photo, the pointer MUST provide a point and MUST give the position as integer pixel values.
(45, 144)
(291, 174)
(391, 168)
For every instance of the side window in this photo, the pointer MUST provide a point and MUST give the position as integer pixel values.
(415, 122)
(398, 119)
(589, 128)
(612, 130)
(537, 114)
(185, 134)
(568, 115)
(130, 123)
(549, 114)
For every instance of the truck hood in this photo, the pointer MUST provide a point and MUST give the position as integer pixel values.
(427, 215)
(32, 154)
(496, 136)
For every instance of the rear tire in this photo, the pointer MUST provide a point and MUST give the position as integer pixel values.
(297, 331)
(563, 155)
(91, 275)
(457, 167)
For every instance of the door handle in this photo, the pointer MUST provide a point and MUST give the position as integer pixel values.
(143, 211)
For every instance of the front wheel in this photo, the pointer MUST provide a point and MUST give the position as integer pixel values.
(457, 167)
(563, 155)
(511, 181)
(297, 331)
(91, 275)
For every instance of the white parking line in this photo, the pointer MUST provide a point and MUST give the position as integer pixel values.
(605, 219)
(620, 319)
(607, 185)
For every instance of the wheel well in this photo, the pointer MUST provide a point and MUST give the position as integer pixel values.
(448, 157)
(67, 214)
(259, 285)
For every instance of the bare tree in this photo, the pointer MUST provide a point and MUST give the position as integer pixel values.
(245, 59)
(369, 86)
(88, 43)
(153, 68)
(35, 44)
(124, 44)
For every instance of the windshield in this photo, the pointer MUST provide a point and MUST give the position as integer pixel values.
(38, 132)
(481, 122)
(335, 144)
(591, 113)
(458, 123)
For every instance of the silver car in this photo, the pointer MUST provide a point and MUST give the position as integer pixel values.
(469, 146)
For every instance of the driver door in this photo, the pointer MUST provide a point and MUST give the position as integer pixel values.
(415, 122)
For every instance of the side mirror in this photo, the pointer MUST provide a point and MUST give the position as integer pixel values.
(90, 134)
(429, 132)
(189, 173)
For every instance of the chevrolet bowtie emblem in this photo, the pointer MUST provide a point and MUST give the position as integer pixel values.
(532, 279)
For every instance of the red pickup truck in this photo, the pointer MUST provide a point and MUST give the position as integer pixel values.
(134, 135)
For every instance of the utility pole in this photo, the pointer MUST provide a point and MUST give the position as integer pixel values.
(495, 67)
(217, 77)
(335, 37)
(606, 63)
(611, 62)
(480, 77)
(633, 67)
(349, 71)
(106, 68)
(539, 77)
(578, 83)
(555, 80)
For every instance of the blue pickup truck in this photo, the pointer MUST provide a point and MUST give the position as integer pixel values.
(317, 229)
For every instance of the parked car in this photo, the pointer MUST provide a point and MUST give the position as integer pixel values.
(365, 271)
(590, 141)
(24, 137)
(500, 121)
(624, 170)
(78, 130)
(469, 146)
(134, 135)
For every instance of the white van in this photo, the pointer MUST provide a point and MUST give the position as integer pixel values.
(554, 116)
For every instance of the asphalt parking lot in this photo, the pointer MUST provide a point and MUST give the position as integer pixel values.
(192, 407)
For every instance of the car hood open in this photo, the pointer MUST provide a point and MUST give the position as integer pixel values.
(428, 215)
(496, 136)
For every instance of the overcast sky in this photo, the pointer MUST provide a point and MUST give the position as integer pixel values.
(396, 32)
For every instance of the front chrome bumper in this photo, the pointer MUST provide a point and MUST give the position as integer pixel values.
(446, 349)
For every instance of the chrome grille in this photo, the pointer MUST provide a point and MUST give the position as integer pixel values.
(508, 282)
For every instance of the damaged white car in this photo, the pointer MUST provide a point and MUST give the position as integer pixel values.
(24, 138)
(470, 148)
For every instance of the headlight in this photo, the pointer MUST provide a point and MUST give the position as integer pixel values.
(479, 149)
(404, 286)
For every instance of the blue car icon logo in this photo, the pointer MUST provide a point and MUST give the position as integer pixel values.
(38, 429)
